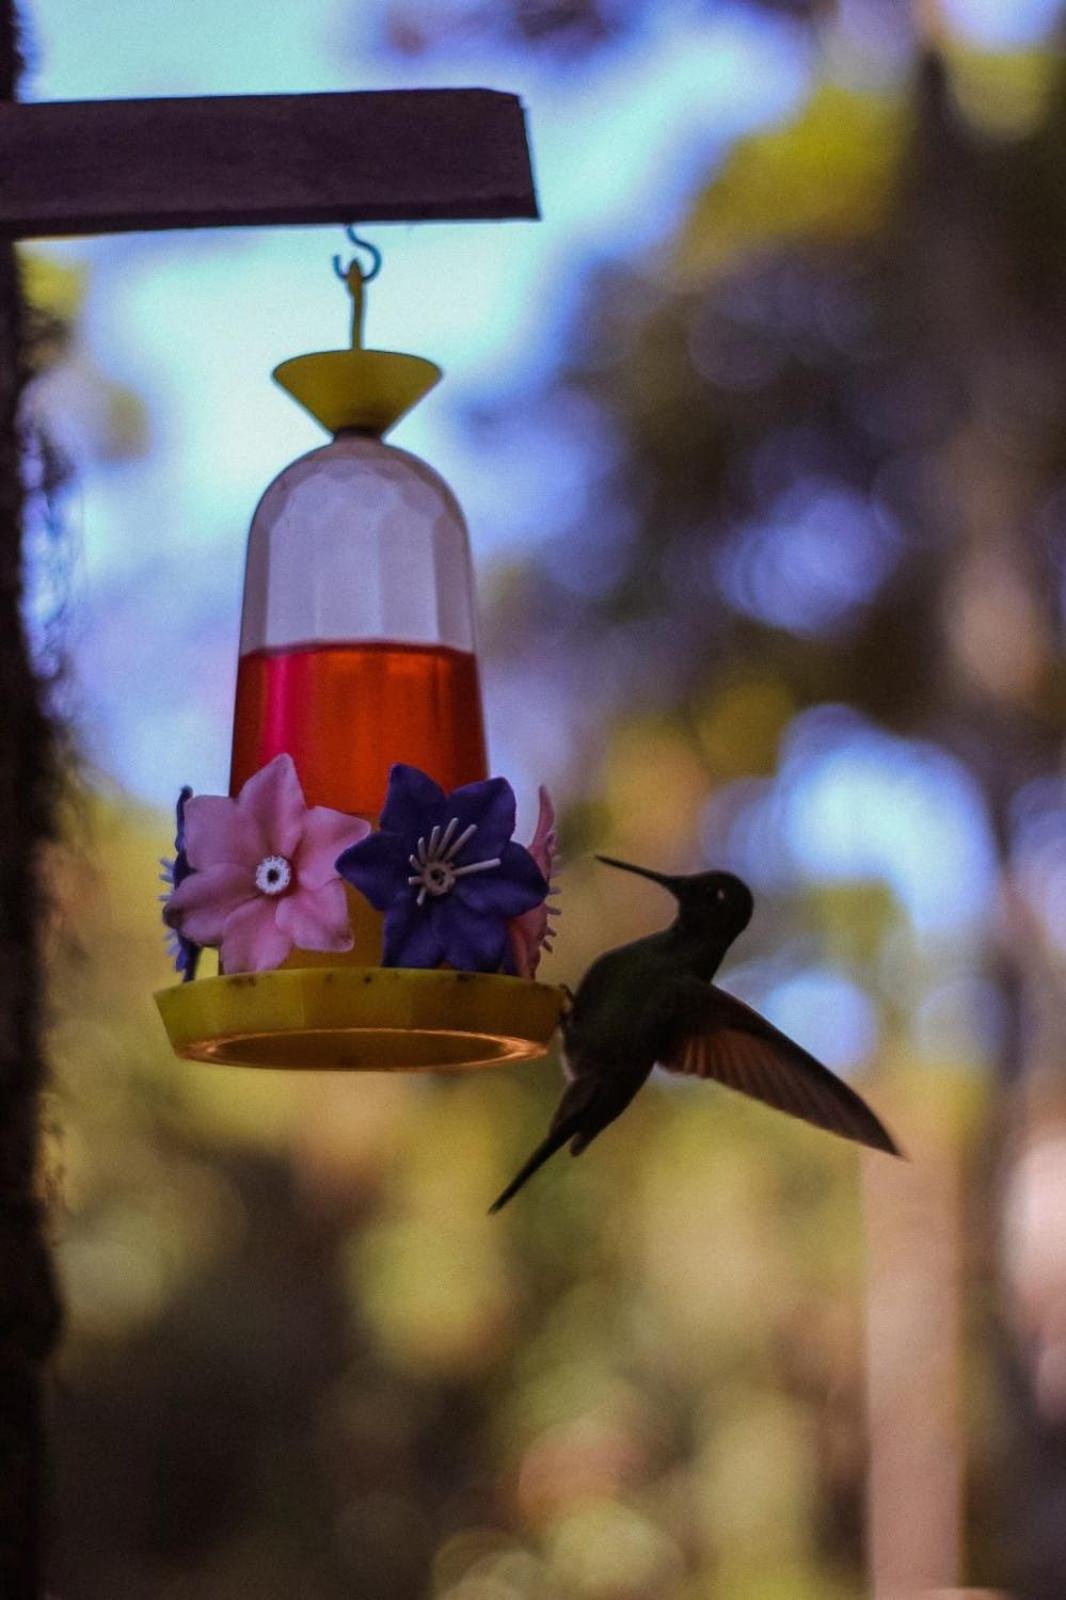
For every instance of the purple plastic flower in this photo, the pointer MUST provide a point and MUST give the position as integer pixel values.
(184, 953)
(445, 871)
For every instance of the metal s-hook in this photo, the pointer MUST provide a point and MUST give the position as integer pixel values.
(356, 279)
(343, 273)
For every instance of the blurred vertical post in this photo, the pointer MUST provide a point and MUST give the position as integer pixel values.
(913, 1208)
(28, 1305)
(915, 1479)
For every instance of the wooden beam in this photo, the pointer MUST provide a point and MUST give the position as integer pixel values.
(118, 166)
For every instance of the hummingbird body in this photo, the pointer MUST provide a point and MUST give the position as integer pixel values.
(652, 1003)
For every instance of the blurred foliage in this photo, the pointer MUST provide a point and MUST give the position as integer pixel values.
(827, 530)
(323, 1369)
(824, 536)
(567, 29)
(72, 414)
(85, 412)
(828, 175)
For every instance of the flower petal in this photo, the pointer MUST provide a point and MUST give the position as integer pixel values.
(526, 935)
(545, 841)
(325, 834)
(316, 919)
(378, 867)
(473, 943)
(218, 831)
(252, 940)
(274, 798)
(181, 868)
(516, 885)
(413, 802)
(413, 935)
(524, 941)
(199, 907)
(490, 805)
(186, 958)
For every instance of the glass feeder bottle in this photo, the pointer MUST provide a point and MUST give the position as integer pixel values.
(358, 645)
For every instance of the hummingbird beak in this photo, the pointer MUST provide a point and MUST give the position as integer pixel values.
(662, 878)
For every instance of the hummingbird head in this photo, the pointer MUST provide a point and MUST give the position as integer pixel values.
(710, 904)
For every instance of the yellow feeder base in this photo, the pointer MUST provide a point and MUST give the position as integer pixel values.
(361, 1019)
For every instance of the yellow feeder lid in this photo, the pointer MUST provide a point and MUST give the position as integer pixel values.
(365, 389)
(361, 1019)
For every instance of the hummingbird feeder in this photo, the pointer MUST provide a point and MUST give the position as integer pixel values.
(360, 883)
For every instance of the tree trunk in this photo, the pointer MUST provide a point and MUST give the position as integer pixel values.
(29, 1316)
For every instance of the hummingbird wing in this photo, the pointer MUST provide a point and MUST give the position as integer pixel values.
(737, 1047)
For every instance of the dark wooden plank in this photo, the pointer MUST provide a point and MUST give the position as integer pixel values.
(118, 166)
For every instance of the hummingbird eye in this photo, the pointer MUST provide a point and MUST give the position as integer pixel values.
(719, 894)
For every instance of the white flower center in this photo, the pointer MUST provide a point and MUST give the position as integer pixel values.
(273, 875)
(433, 866)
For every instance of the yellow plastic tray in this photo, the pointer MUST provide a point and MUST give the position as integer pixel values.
(361, 1019)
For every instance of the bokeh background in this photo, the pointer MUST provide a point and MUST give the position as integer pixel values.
(760, 435)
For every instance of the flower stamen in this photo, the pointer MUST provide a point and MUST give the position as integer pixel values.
(433, 865)
(467, 833)
(273, 875)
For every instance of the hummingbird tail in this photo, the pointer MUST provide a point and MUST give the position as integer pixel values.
(544, 1151)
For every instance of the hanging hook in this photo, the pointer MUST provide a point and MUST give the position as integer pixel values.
(360, 244)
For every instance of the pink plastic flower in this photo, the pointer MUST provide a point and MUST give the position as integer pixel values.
(532, 932)
(263, 877)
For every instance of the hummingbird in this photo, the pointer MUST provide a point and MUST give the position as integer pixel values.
(652, 1003)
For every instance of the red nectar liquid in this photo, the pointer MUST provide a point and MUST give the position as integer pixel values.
(346, 712)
